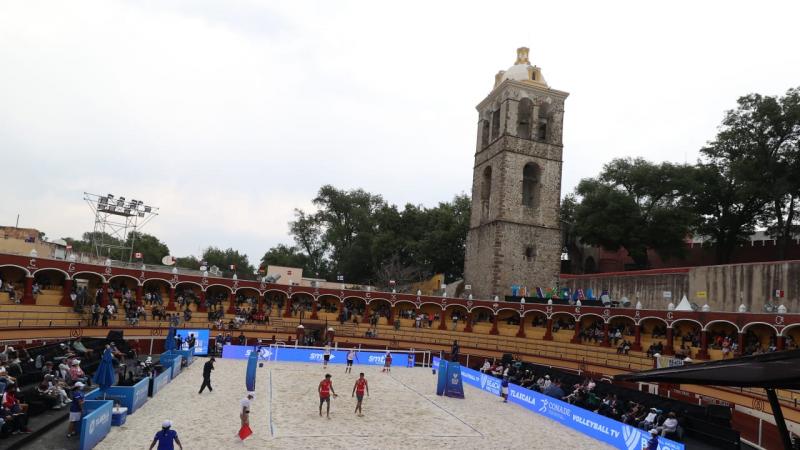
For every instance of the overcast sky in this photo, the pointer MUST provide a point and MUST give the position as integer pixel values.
(230, 114)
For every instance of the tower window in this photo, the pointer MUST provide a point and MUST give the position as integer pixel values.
(486, 191)
(530, 253)
(541, 125)
(485, 129)
(531, 177)
(495, 124)
(524, 118)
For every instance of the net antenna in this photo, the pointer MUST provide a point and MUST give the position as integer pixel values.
(116, 223)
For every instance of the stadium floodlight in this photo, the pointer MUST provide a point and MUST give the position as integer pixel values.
(116, 223)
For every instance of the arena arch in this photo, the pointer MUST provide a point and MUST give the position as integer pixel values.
(716, 322)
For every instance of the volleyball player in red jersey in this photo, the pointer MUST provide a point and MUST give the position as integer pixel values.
(325, 390)
(358, 391)
(387, 362)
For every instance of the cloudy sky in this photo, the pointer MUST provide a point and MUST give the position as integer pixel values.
(230, 114)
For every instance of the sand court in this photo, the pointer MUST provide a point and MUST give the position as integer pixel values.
(402, 411)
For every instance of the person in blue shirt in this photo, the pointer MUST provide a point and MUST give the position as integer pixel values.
(75, 409)
(652, 444)
(166, 437)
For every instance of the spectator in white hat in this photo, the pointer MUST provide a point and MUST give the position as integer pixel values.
(166, 437)
(75, 409)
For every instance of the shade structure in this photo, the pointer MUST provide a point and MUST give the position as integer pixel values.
(770, 371)
(779, 370)
(105, 377)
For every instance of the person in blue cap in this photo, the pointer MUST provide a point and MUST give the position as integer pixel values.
(166, 438)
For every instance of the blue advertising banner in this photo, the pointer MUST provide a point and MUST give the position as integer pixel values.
(593, 425)
(481, 381)
(188, 355)
(96, 422)
(308, 355)
(131, 397)
(161, 380)
(250, 375)
(201, 340)
(441, 379)
(453, 386)
(602, 428)
(176, 366)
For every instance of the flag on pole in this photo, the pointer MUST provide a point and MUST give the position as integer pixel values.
(779, 293)
(137, 255)
(233, 266)
(245, 432)
(69, 247)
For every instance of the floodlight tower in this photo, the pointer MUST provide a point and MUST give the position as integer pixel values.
(115, 220)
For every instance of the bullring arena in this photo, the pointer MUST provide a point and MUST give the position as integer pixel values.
(402, 411)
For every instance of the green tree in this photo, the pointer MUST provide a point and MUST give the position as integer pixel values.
(188, 262)
(223, 259)
(636, 205)
(758, 149)
(151, 248)
(727, 208)
(308, 232)
(285, 256)
(346, 217)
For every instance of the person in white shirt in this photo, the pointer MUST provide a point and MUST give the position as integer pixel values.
(326, 355)
(649, 420)
(547, 381)
(670, 425)
(244, 409)
(486, 366)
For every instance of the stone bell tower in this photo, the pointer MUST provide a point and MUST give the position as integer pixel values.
(515, 235)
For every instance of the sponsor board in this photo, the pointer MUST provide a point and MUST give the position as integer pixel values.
(309, 355)
(598, 427)
(96, 424)
(131, 397)
(161, 380)
(201, 340)
(593, 425)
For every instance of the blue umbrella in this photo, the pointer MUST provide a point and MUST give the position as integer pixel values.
(105, 375)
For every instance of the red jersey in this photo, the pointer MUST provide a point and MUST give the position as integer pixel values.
(388, 360)
(325, 388)
(361, 386)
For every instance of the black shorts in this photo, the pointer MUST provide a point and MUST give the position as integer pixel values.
(359, 397)
(349, 362)
(326, 357)
(323, 400)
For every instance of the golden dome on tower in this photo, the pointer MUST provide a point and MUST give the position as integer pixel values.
(521, 71)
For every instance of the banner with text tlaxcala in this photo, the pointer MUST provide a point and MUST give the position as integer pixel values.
(309, 355)
(602, 428)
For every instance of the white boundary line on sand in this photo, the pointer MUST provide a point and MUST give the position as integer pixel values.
(271, 426)
(272, 430)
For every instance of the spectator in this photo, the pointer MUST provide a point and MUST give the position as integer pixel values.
(554, 390)
(81, 349)
(486, 366)
(669, 426)
(75, 409)
(19, 411)
(76, 374)
(10, 359)
(649, 420)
